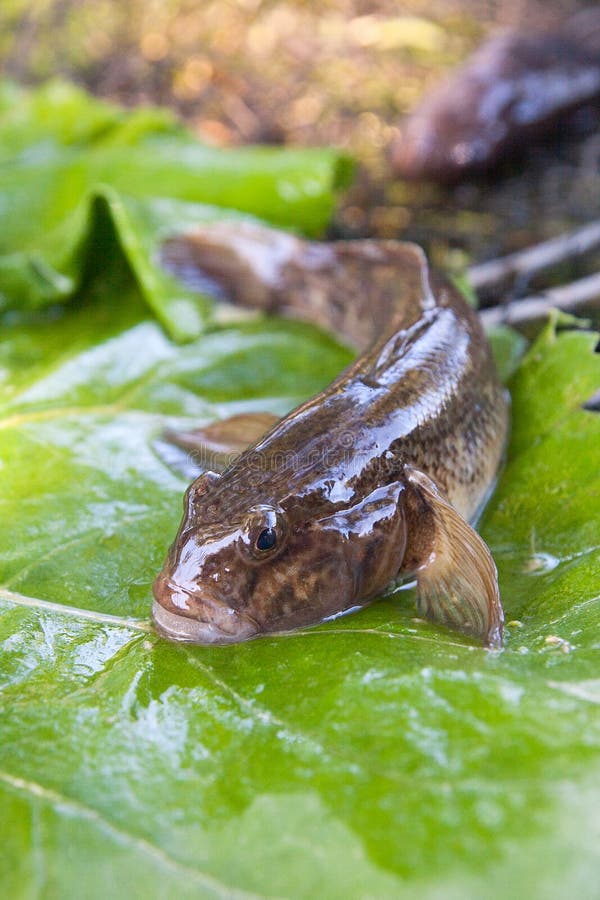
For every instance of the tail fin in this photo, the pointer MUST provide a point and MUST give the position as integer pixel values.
(237, 261)
(357, 289)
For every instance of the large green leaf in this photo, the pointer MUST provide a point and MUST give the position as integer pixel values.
(375, 756)
(67, 162)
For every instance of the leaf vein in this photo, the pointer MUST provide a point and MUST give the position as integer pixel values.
(157, 854)
(75, 611)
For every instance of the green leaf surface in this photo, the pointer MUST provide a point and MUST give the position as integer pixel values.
(369, 757)
(375, 756)
(69, 163)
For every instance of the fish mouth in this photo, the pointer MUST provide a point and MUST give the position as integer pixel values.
(221, 624)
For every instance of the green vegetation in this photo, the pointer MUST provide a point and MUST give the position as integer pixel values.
(375, 756)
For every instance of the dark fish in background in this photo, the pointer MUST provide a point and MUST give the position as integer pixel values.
(517, 88)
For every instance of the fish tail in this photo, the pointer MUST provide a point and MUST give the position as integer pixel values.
(349, 287)
(237, 261)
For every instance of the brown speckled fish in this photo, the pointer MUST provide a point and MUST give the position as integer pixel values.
(374, 478)
(516, 89)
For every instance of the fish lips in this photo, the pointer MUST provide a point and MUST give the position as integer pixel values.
(214, 623)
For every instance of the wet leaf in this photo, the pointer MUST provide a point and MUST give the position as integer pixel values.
(375, 756)
(367, 757)
(508, 347)
(71, 166)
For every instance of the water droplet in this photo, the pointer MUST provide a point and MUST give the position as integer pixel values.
(554, 642)
(540, 563)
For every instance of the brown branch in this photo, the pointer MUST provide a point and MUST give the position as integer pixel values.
(573, 297)
(487, 275)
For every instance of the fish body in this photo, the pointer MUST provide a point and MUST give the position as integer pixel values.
(518, 87)
(373, 478)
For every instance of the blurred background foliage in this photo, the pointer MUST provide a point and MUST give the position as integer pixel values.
(331, 73)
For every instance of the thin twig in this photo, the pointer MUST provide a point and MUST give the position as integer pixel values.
(487, 275)
(569, 297)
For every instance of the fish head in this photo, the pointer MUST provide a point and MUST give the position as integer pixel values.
(231, 575)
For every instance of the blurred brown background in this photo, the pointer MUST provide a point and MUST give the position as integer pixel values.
(338, 73)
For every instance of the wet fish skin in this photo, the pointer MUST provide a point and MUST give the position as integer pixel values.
(373, 478)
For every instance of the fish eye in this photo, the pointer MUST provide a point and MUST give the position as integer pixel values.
(264, 531)
(266, 539)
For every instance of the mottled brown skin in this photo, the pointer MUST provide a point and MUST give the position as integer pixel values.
(517, 88)
(364, 482)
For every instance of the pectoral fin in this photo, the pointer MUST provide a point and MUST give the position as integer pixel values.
(457, 582)
(216, 445)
